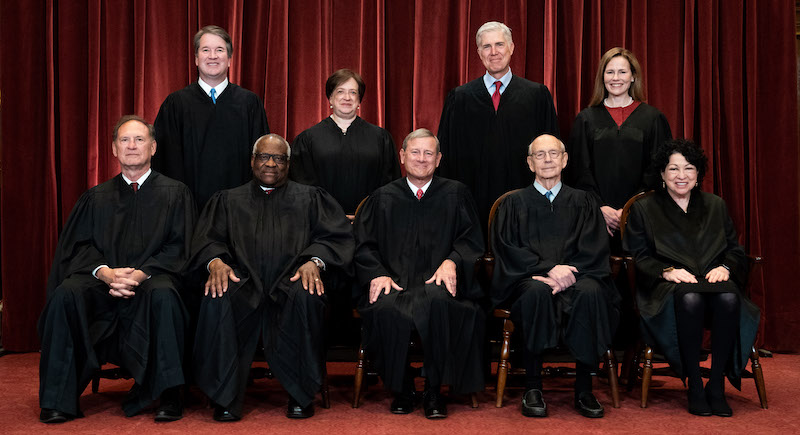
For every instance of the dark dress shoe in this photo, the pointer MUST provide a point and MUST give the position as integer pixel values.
(403, 403)
(698, 404)
(533, 404)
(171, 407)
(588, 406)
(433, 403)
(52, 416)
(294, 410)
(717, 403)
(222, 414)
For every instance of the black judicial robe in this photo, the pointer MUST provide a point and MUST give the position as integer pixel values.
(349, 165)
(408, 239)
(486, 150)
(265, 239)
(110, 224)
(613, 161)
(530, 236)
(659, 235)
(206, 145)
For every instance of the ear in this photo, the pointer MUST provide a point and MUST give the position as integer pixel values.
(530, 164)
(438, 158)
(565, 158)
(402, 156)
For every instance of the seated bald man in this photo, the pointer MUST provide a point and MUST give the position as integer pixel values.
(552, 271)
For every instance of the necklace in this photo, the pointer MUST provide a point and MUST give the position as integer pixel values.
(605, 102)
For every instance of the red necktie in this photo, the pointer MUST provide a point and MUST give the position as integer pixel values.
(269, 191)
(496, 95)
(135, 186)
(419, 194)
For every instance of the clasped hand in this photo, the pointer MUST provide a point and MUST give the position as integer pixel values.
(121, 281)
(717, 274)
(559, 278)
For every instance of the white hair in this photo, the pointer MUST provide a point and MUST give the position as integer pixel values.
(492, 26)
(530, 146)
(273, 136)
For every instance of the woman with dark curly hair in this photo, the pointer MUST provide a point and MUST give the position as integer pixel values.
(691, 272)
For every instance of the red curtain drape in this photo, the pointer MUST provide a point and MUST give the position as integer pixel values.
(722, 72)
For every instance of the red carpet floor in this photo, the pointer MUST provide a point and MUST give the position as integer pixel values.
(265, 406)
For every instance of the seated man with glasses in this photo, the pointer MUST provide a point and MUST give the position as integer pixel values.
(552, 271)
(267, 246)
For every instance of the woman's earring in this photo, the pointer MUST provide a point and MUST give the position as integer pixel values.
(663, 185)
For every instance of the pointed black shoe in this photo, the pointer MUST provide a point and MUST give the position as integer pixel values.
(533, 404)
(294, 410)
(403, 403)
(171, 407)
(588, 406)
(223, 415)
(52, 416)
(698, 405)
(717, 402)
(434, 405)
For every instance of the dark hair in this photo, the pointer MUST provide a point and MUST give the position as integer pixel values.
(342, 76)
(213, 30)
(636, 91)
(688, 149)
(150, 129)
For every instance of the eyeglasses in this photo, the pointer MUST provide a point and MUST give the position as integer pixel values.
(279, 159)
(554, 154)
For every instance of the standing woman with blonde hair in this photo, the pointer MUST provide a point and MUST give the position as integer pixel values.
(612, 140)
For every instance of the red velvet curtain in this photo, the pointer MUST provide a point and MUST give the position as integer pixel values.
(722, 72)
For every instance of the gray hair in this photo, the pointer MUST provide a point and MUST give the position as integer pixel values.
(128, 118)
(420, 133)
(530, 146)
(273, 136)
(492, 26)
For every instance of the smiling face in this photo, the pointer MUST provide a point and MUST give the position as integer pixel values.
(547, 159)
(345, 99)
(680, 176)
(495, 53)
(270, 173)
(212, 59)
(133, 147)
(420, 159)
(618, 76)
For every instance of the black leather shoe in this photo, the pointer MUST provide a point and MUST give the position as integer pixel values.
(434, 405)
(222, 414)
(294, 410)
(52, 416)
(171, 407)
(698, 404)
(533, 404)
(403, 403)
(717, 403)
(588, 406)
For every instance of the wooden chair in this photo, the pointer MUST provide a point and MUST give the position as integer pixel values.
(557, 355)
(645, 351)
(415, 348)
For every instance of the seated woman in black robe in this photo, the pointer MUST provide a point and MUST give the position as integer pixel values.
(691, 271)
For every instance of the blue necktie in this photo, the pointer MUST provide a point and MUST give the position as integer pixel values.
(213, 95)
(549, 196)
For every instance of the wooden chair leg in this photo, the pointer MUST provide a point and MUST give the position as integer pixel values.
(474, 400)
(326, 396)
(359, 376)
(647, 373)
(502, 367)
(613, 382)
(633, 373)
(758, 375)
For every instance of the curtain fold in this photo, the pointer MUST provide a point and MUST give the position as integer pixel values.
(723, 73)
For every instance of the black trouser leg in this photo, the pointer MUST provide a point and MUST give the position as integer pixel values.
(689, 313)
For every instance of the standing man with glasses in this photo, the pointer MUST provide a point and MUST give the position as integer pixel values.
(267, 248)
(487, 123)
(552, 272)
(205, 130)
